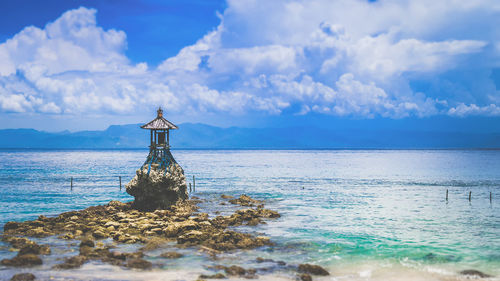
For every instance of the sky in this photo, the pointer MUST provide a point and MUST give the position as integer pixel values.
(75, 65)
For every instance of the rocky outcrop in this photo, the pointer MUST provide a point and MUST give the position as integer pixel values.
(305, 277)
(23, 260)
(27, 254)
(244, 200)
(235, 270)
(213, 276)
(23, 277)
(121, 222)
(474, 273)
(313, 269)
(159, 189)
(180, 222)
(231, 271)
(72, 262)
(171, 255)
(138, 263)
(26, 246)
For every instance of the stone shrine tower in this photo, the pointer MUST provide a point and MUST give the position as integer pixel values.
(159, 148)
(160, 182)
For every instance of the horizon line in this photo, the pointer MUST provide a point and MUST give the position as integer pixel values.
(257, 148)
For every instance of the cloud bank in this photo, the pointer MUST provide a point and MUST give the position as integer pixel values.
(344, 58)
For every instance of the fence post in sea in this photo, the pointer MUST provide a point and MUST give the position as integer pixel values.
(189, 187)
(447, 195)
(120, 177)
(470, 193)
(194, 184)
(491, 197)
(71, 183)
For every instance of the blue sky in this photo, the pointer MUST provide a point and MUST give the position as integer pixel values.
(155, 29)
(88, 64)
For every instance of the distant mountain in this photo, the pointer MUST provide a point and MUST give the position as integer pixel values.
(200, 136)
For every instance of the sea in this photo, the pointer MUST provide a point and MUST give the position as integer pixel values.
(361, 214)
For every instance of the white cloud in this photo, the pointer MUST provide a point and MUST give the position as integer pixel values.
(189, 57)
(359, 98)
(381, 58)
(339, 57)
(249, 61)
(71, 43)
(50, 108)
(464, 110)
(14, 103)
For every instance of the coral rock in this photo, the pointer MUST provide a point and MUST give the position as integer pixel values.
(23, 277)
(87, 242)
(305, 277)
(171, 255)
(245, 200)
(213, 276)
(23, 260)
(72, 262)
(10, 225)
(473, 272)
(313, 269)
(139, 263)
(235, 270)
(158, 190)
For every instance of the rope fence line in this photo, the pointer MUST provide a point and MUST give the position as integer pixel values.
(192, 186)
(470, 196)
(191, 190)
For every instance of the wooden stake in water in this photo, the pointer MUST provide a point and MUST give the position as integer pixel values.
(120, 177)
(491, 197)
(447, 195)
(189, 187)
(194, 184)
(71, 183)
(470, 193)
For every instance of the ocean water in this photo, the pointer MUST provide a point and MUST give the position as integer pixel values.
(363, 215)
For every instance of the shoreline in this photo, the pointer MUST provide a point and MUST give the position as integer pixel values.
(110, 256)
(102, 229)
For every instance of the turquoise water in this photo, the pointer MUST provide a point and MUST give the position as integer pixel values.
(364, 215)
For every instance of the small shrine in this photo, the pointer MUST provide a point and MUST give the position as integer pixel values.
(159, 148)
(160, 181)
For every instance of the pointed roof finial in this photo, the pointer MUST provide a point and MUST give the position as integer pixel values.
(160, 112)
(159, 123)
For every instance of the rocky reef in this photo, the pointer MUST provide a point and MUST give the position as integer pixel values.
(155, 188)
(124, 224)
(121, 223)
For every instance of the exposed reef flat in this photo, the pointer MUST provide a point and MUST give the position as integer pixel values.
(99, 229)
